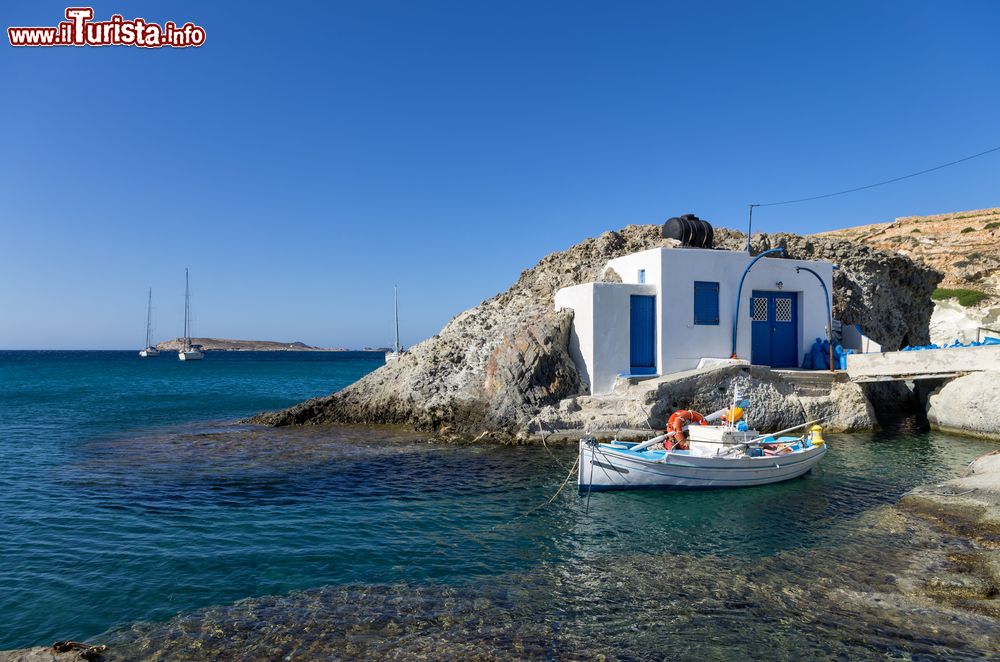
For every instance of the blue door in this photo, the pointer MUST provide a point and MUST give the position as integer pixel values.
(774, 329)
(642, 335)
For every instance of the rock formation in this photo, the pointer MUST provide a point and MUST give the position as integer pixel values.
(964, 247)
(493, 368)
(779, 402)
(967, 507)
(967, 405)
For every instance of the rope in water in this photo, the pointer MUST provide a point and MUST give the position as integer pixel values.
(551, 454)
(542, 505)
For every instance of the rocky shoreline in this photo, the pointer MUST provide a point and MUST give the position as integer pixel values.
(968, 509)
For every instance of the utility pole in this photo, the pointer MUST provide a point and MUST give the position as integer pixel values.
(750, 225)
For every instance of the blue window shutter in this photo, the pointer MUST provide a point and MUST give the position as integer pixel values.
(706, 302)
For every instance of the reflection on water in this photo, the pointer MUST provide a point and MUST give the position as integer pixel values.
(376, 541)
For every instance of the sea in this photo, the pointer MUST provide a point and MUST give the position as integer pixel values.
(138, 511)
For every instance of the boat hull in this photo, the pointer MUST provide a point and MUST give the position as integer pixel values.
(149, 353)
(604, 468)
(191, 355)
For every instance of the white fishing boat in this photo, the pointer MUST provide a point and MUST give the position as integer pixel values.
(397, 350)
(150, 351)
(693, 454)
(188, 352)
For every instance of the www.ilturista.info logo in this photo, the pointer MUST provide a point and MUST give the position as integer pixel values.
(81, 30)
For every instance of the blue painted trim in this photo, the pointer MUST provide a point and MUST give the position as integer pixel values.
(706, 303)
(683, 488)
(829, 305)
(662, 474)
(642, 334)
(635, 456)
(739, 291)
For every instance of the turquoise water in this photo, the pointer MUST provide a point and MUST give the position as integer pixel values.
(87, 522)
(136, 510)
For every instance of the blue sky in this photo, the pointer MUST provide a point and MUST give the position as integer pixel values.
(312, 154)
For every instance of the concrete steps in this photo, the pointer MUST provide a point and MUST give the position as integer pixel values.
(813, 383)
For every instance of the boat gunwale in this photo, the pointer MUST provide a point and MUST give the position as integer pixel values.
(746, 462)
(661, 470)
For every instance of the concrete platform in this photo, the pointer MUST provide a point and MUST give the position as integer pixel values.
(922, 364)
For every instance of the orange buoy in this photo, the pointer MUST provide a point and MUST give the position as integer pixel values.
(676, 426)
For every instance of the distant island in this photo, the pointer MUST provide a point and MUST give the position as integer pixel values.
(228, 345)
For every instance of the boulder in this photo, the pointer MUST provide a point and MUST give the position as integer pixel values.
(777, 403)
(967, 507)
(60, 652)
(492, 369)
(967, 405)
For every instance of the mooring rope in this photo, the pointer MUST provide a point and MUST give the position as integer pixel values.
(590, 481)
(545, 503)
(551, 454)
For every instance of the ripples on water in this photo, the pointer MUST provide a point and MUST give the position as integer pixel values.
(377, 542)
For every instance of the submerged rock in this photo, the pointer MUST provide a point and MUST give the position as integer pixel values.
(60, 651)
(850, 602)
(492, 369)
(967, 507)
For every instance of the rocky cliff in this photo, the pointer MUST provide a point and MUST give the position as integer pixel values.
(964, 247)
(492, 368)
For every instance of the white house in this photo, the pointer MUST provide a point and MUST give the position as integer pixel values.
(676, 306)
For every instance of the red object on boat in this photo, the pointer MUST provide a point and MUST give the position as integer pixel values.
(676, 426)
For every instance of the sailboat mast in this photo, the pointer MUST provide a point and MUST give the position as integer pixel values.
(395, 309)
(187, 310)
(149, 317)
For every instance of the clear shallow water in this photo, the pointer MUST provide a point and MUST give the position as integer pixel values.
(121, 509)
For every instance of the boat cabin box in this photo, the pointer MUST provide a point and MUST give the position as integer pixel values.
(674, 310)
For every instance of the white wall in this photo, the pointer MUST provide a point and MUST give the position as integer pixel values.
(684, 343)
(600, 345)
(581, 336)
(599, 340)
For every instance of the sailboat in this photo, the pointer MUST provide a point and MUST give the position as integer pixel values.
(150, 351)
(397, 350)
(188, 352)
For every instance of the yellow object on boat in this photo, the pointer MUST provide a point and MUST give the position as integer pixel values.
(816, 436)
(733, 415)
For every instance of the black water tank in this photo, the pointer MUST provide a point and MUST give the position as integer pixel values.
(689, 230)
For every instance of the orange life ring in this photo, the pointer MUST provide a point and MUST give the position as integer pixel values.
(676, 425)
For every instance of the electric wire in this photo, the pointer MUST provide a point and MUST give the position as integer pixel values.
(888, 181)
